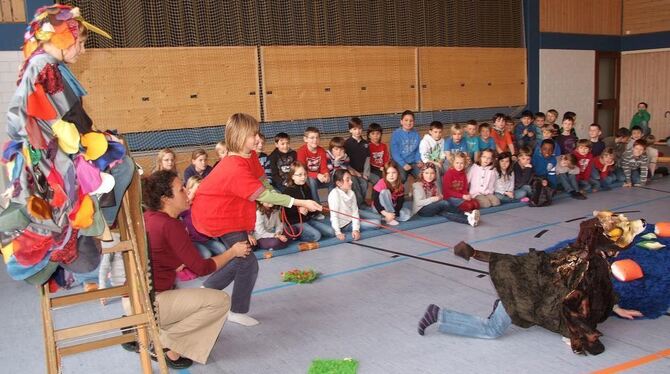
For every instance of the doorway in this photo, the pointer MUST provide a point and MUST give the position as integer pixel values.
(606, 106)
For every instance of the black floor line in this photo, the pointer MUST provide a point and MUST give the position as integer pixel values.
(539, 234)
(575, 219)
(420, 258)
(655, 189)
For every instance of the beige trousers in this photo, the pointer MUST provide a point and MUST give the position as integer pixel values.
(191, 320)
(486, 201)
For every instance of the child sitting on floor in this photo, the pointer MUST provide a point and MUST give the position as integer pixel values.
(482, 179)
(635, 164)
(198, 165)
(269, 230)
(504, 184)
(603, 169)
(428, 199)
(344, 213)
(379, 153)
(301, 224)
(566, 173)
(455, 188)
(388, 196)
(523, 175)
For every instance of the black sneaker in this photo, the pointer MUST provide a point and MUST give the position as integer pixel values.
(130, 346)
(180, 363)
(576, 195)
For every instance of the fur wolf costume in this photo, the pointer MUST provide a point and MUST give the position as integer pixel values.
(568, 292)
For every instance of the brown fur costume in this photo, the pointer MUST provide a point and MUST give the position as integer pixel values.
(568, 291)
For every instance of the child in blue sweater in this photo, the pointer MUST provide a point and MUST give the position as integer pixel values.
(405, 147)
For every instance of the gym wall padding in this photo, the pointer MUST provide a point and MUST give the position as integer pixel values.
(149, 89)
(459, 78)
(321, 82)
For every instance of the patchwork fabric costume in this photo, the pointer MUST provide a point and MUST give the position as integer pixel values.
(58, 164)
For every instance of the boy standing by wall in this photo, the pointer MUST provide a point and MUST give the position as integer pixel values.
(359, 156)
(405, 147)
(315, 159)
(280, 161)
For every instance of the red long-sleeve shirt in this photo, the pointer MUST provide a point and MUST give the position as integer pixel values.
(379, 155)
(454, 183)
(170, 247)
(315, 162)
(585, 163)
(226, 200)
(604, 171)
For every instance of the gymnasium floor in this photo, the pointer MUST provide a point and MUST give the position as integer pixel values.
(367, 305)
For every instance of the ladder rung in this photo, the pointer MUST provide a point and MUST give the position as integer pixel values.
(94, 328)
(125, 245)
(83, 297)
(102, 343)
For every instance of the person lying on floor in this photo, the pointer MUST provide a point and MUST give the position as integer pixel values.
(568, 292)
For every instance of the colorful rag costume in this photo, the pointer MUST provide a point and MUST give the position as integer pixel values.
(54, 158)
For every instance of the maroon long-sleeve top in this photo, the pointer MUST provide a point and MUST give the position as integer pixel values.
(171, 246)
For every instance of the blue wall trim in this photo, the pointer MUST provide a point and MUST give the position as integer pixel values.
(550, 40)
(531, 10)
(12, 33)
(645, 41)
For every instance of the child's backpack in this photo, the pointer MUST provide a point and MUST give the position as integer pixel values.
(541, 195)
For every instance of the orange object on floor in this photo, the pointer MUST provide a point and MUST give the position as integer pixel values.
(662, 229)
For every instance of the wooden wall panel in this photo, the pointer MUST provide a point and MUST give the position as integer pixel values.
(598, 17)
(322, 82)
(646, 77)
(145, 89)
(12, 11)
(645, 16)
(457, 78)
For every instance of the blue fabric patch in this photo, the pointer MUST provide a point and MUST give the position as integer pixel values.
(72, 81)
(651, 293)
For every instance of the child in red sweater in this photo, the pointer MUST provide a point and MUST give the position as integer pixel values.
(314, 157)
(585, 162)
(379, 153)
(603, 167)
(224, 207)
(455, 188)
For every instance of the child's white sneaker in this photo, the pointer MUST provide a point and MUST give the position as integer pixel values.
(473, 217)
(242, 319)
(319, 217)
(393, 222)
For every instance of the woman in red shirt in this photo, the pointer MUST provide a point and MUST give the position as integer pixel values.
(224, 207)
(190, 319)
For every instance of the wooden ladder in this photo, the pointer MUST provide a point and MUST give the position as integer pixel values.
(133, 245)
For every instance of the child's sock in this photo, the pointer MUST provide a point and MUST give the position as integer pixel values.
(429, 318)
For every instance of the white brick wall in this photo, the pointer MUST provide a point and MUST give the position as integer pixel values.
(9, 69)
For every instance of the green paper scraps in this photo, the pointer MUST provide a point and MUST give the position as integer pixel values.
(648, 236)
(346, 366)
(300, 276)
(650, 245)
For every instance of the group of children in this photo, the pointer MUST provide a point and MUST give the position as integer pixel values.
(477, 166)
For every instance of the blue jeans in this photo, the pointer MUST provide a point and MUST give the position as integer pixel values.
(372, 221)
(210, 248)
(456, 323)
(635, 176)
(620, 176)
(387, 204)
(360, 188)
(568, 181)
(242, 270)
(402, 173)
(604, 184)
(314, 185)
(504, 198)
(523, 191)
(444, 209)
(588, 185)
(313, 230)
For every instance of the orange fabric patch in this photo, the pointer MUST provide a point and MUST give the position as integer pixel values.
(39, 105)
(626, 270)
(662, 229)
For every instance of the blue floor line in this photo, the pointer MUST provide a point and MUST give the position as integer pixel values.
(386, 263)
